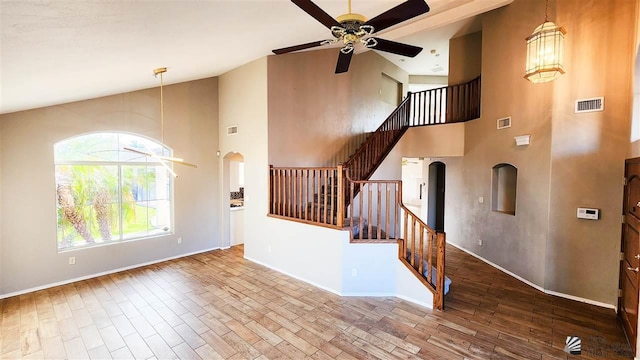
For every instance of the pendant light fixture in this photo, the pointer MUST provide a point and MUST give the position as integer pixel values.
(161, 159)
(545, 51)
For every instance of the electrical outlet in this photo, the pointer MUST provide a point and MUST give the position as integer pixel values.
(480, 242)
(269, 249)
(72, 260)
(481, 200)
(179, 240)
(354, 272)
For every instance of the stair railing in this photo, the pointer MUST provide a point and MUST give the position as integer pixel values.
(422, 247)
(370, 154)
(377, 214)
(445, 105)
(374, 211)
(310, 195)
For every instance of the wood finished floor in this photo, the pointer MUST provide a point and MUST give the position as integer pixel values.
(218, 305)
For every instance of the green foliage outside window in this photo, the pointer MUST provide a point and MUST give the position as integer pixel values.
(107, 194)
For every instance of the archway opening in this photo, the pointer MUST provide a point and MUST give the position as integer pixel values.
(233, 200)
(435, 202)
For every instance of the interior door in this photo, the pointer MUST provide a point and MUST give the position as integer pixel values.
(630, 247)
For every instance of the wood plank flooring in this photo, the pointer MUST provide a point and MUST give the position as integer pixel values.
(217, 305)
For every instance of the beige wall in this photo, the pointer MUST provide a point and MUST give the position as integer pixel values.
(28, 223)
(318, 118)
(465, 58)
(428, 79)
(588, 150)
(243, 102)
(573, 160)
(634, 148)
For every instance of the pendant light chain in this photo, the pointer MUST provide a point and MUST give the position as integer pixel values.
(546, 11)
(349, 6)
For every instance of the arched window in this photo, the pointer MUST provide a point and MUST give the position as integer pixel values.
(107, 194)
(504, 188)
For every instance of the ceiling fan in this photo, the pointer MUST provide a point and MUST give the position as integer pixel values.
(352, 28)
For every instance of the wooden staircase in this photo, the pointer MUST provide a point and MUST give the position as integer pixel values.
(344, 197)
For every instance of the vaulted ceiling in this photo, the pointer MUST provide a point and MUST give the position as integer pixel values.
(59, 51)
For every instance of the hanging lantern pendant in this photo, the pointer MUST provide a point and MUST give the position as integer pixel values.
(545, 52)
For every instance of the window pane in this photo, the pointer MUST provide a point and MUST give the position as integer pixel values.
(103, 195)
(145, 190)
(85, 198)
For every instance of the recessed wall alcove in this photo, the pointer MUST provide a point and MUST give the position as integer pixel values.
(504, 186)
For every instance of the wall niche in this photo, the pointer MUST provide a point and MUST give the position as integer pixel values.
(504, 186)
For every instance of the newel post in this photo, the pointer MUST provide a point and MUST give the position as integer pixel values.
(407, 115)
(341, 194)
(270, 177)
(439, 299)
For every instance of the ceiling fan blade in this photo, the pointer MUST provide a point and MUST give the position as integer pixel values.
(161, 158)
(405, 11)
(344, 60)
(316, 12)
(396, 47)
(298, 47)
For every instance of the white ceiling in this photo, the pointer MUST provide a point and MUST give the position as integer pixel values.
(53, 52)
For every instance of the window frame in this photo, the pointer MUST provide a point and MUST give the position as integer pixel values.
(149, 165)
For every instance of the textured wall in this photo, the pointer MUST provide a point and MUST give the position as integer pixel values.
(465, 58)
(516, 243)
(573, 160)
(318, 118)
(243, 102)
(28, 223)
(588, 150)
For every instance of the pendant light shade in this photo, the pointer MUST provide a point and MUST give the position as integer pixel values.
(545, 52)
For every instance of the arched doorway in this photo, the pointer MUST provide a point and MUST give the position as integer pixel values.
(435, 203)
(232, 199)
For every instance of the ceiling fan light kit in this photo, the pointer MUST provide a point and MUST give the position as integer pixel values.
(352, 29)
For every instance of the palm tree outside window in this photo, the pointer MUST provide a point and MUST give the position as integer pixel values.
(105, 194)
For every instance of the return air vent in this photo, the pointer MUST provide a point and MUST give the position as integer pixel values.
(504, 123)
(232, 130)
(590, 105)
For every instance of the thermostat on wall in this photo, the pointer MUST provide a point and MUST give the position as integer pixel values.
(588, 213)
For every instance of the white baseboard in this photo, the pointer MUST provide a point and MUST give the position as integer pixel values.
(339, 293)
(69, 281)
(415, 301)
(537, 287)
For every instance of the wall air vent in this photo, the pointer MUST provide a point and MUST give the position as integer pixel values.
(504, 123)
(590, 105)
(232, 130)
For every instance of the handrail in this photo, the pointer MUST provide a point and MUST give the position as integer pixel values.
(370, 154)
(446, 105)
(416, 253)
(307, 194)
(377, 214)
(381, 223)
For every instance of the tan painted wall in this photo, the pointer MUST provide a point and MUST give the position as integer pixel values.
(317, 118)
(465, 58)
(572, 161)
(516, 243)
(433, 141)
(634, 148)
(243, 102)
(428, 79)
(28, 222)
(588, 150)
